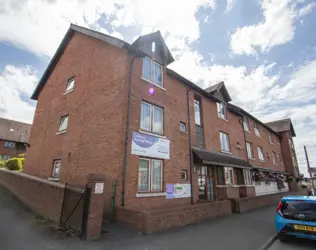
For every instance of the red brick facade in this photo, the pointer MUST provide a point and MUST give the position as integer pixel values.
(97, 110)
(8, 152)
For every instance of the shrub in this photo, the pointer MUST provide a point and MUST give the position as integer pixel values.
(21, 155)
(2, 163)
(14, 164)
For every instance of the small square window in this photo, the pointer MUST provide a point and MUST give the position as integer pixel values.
(56, 168)
(63, 124)
(184, 176)
(182, 127)
(70, 85)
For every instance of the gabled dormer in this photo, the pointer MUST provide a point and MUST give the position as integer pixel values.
(154, 46)
(219, 90)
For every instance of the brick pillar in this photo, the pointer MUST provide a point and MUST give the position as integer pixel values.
(95, 207)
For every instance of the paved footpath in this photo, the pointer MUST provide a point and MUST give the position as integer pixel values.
(294, 244)
(22, 230)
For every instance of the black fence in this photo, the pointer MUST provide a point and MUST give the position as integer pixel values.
(74, 208)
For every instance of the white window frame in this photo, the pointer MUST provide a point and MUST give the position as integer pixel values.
(274, 157)
(257, 131)
(183, 129)
(151, 120)
(55, 162)
(246, 124)
(293, 160)
(62, 120)
(9, 144)
(260, 153)
(185, 173)
(248, 177)
(197, 104)
(249, 150)
(150, 177)
(229, 175)
(270, 137)
(70, 82)
(152, 73)
(221, 107)
(291, 143)
(225, 135)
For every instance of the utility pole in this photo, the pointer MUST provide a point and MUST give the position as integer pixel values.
(309, 170)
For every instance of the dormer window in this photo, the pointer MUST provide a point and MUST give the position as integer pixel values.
(152, 72)
(153, 47)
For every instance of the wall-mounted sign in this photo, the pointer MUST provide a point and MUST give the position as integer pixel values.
(99, 187)
(179, 190)
(152, 146)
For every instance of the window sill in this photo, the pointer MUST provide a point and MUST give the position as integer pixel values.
(228, 185)
(53, 179)
(148, 133)
(61, 132)
(262, 160)
(247, 131)
(162, 88)
(183, 132)
(222, 118)
(139, 195)
(258, 136)
(251, 158)
(68, 92)
(226, 152)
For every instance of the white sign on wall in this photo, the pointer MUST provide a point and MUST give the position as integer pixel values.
(99, 187)
(152, 146)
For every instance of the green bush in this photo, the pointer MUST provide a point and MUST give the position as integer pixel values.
(22, 161)
(14, 164)
(2, 163)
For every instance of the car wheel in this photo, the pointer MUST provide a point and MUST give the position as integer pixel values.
(282, 237)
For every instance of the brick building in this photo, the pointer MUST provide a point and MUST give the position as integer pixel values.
(106, 106)
(13, 138)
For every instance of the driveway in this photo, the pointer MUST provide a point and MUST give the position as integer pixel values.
(20, 229)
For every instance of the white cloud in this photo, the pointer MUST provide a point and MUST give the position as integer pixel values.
(229, 6)
(277, 28)
(14, 83)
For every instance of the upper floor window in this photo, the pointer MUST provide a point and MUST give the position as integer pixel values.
(257, 132)
(149, 175)
(294, 161)
(63, 125)
(274, 158)
(221, 112)
(270, 137)
(197, 111)
(246, 124)
(184, 175)
(249, 150)
(70, 85)
(182, 127)
(229, 175)
(224, 142)
(9, 144)
(152, 71)
(291, 144)
(260, 154)
(151, 118)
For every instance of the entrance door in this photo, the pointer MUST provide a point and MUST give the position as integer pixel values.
(205, 183)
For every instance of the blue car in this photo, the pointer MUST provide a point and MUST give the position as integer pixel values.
(296, 216)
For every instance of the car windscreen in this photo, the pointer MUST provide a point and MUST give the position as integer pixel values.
(299, 210)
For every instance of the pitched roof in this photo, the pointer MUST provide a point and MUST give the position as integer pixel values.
(219, 87)
(282, 125)
(155, 36)
(239, 111)
(14, 131)
(97, 35)
(211, 156)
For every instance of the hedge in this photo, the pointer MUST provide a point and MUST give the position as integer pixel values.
(15, 164)
(2, 163)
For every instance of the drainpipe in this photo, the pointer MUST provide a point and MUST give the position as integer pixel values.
(190, 145)
(127, 129)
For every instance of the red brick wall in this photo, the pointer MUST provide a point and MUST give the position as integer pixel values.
(288, 152)
(150, 221)
(247, 191)
(12, 152)
(41, 196)
(94, 141)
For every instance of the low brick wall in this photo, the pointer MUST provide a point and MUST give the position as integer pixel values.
(152, 221)
(248, 203)
(42, 196)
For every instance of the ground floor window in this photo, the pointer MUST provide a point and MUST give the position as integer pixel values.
(229, 175)
(56, 168)
(247, 177)
(220, 176)
(149, 175)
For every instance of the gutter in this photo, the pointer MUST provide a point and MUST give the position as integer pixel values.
(190, 146)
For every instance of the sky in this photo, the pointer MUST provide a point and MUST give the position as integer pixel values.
(264, 50)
